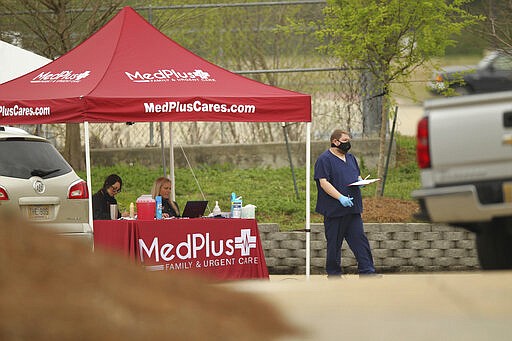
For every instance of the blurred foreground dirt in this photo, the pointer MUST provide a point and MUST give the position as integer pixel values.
(52, 288)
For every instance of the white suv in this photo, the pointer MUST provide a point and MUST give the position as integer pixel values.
(37, 183)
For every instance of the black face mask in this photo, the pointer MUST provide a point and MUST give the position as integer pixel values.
(343, 146)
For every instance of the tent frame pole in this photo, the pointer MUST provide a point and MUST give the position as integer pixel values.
(88, 171)
(171, 163)
(162, 146)
(308, 203)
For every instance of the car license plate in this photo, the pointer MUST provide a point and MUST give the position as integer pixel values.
(507, 191)
(39, 212)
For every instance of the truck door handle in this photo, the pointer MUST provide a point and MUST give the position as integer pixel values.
(507, 119)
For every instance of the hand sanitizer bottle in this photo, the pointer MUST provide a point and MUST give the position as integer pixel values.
(216, 210)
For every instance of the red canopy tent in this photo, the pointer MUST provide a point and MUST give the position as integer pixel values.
(128, 71)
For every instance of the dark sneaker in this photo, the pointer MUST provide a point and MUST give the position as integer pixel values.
(372, 275)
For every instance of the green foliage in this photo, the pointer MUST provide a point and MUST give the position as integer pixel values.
(389, 39)
(52, 28)
(392, 37)
(239, 37)
(271, 190)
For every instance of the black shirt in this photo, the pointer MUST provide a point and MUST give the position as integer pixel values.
(167, 208)
(101, 202)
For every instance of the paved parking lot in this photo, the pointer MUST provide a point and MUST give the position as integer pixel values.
(440, 306)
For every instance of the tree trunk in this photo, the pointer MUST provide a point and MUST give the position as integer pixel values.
(371, 105)
(73, 146)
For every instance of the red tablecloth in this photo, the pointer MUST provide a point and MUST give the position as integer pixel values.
(220, 248)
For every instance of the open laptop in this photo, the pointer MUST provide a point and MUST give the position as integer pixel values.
(194, 209)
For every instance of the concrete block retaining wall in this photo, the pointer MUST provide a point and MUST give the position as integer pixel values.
(414, 247)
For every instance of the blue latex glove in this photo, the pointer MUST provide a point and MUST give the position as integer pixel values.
(359, 178)
(346, 201)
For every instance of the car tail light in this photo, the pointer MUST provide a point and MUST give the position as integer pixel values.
(78, 190)
(3, 194)
(422, 144)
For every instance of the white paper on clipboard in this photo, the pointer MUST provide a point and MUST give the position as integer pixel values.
(364, 182)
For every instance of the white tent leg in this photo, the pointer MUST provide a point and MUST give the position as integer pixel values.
(308, 189)
(171, 163)
(162, 146)
(88, 171)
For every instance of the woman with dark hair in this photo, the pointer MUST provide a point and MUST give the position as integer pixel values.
(105, 197)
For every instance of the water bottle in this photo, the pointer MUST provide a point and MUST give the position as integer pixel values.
(233, 198)
(158, 200)
(236, 206)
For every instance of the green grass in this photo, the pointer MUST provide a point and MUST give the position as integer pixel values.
(270, 190)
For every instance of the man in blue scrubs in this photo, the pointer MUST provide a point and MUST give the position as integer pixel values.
(341, 205)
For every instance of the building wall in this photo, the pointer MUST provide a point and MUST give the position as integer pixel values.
(414, 247)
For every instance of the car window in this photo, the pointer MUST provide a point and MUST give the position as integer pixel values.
(503, 63)
(487, 60)
(24, 159)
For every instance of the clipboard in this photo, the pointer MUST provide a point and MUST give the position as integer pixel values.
(364, 182)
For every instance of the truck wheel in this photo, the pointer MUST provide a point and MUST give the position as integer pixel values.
(494, 246)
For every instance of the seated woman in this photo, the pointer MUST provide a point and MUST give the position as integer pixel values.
(105, 197)
(162, 186)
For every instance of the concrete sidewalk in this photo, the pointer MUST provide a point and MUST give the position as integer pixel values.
(451, 306)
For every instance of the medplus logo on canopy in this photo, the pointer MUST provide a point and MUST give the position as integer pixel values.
(166, 75)
(66, 76)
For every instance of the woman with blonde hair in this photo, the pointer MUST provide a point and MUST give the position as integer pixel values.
(162, 187)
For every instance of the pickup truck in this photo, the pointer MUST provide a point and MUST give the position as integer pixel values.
(493, 73)
(464, 151)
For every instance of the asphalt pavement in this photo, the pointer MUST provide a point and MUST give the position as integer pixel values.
(424, 306)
